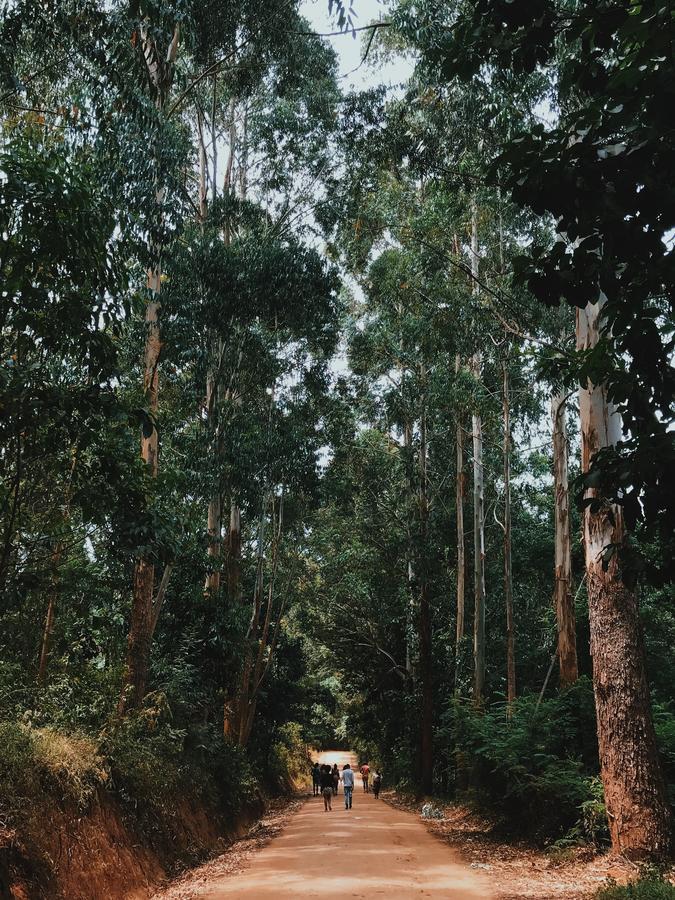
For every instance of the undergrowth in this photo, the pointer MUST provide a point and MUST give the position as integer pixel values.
(39, 761)
(649, 887)
(534, 766)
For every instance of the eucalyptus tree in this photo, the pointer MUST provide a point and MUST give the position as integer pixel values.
(601, 168)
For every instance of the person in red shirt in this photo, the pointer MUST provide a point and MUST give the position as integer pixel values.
(365, 773)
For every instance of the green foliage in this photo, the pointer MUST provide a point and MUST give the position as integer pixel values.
(145, 752)
(533, 769)
(19, 779)
(37, 761)
(289, 760)
(649, 887)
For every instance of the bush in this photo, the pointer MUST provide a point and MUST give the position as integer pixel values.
(533, 769)
(664, 722)
(650, 887)
(289, 760)
(19, 776)
(145, 754)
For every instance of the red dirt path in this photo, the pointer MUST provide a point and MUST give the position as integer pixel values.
(373, 850)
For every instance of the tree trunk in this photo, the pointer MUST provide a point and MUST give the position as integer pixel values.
(637, 808)
(508, 578)
(478, 558)
(234, 554)
(244, 698)
(478, 500)
(160, 71)
(410, 566)
(425, 632)
(460, 485)
(140, 637)
(562, 593)
(57, 555)
(49, 618)
(214, 512)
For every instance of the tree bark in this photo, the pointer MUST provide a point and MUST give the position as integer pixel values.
(234, 554)
(460, 487)
(57, 554)
(214, 512)
(51, 608)
(478, 499)
(160, 71)
(508, 577)
(410, 566)
(478, 557)
(214, 394)
(140, 638)
(562, 593)
(244, 698)
(425, 631)
(635, 796)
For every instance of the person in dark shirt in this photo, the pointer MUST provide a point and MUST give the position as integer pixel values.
(377, 784)
(336, 779)
(327, 788)
(316, 779)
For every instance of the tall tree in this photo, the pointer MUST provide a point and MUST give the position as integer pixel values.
(508, 574)
(460, 488)
(637, 806)
(478, 495)
(160, 59)
(599, 169)
(562, 592)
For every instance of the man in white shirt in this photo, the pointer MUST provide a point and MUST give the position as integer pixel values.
(347, 779)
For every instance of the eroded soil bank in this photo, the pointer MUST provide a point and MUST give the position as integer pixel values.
(110, 851)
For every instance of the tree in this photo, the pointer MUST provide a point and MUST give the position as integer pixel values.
(598, 169)
(563, 599)
(159, 55)
(638, 810)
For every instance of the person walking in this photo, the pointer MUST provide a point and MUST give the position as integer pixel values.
(347, 779)
(316, 779)
(336, 778)
(365, 774)
(377, 784)
(327, 788)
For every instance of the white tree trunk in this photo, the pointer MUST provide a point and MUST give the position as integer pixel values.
(508, 577)
(563, 599)
(460, 485)
(478, 498)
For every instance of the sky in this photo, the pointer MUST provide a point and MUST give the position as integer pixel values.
(350, 49)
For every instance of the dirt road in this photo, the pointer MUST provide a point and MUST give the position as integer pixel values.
(373, 850)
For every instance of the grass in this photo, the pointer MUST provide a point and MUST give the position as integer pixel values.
(71, 763)
(38, 760)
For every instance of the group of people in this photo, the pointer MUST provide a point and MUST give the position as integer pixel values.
(326, 781)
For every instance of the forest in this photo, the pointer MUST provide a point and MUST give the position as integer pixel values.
(338, 413)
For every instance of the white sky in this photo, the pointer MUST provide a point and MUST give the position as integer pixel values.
(350, 48)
